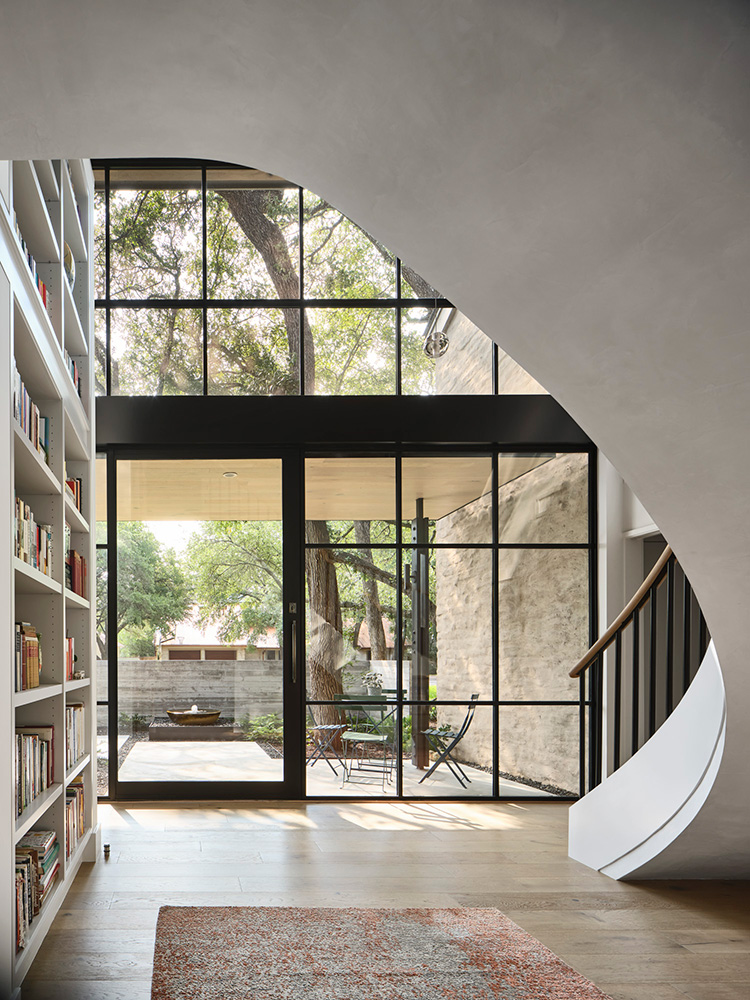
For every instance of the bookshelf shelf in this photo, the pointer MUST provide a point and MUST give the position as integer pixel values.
(38, 929)
(73, 232)
(73, 600)
(58, 623)
(36, 809)
(76, 769)
(74, 517)
(76, 857)
(31, 581)
(45, 173)
(33, 475)
(77, 685)
(41, 693)
(31, 212)
(75, 341)
(36, 355)
(76, 432)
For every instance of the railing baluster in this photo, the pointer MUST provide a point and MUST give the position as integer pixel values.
(687, 640)
(651, 672)
(618, 701)
(596, 722)
(652, 663)
(669, 701)
(636, 685)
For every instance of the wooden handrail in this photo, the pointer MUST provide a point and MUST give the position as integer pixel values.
(585, 662)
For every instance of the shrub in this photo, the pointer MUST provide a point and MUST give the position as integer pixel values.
(263, 727)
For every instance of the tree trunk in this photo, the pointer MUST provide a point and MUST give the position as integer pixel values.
(373, 610)
(249, 209)
(325, 650)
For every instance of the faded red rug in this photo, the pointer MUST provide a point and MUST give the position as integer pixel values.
(286, 953)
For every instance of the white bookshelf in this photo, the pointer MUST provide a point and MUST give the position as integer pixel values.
(53, 204)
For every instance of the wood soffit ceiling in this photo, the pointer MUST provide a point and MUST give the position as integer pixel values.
(336, 489)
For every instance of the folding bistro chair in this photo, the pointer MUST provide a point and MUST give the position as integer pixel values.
(324, 742)
(366, 741)
(443, 742)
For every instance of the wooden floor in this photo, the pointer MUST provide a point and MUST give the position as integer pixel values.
(652, 941)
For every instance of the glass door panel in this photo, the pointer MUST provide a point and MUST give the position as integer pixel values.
(200, 691)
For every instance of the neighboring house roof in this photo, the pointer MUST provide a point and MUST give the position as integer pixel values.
(363, 640)
(189, 633)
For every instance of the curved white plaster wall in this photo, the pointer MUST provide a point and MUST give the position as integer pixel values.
(572, 173)
(635, 813)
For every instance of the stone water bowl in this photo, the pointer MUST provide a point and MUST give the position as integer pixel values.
(193, 717)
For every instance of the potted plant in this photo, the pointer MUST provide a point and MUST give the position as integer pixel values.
(373, 681)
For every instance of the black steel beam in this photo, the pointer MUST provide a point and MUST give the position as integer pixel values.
(516, 422)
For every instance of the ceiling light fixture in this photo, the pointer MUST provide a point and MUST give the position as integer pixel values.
(230, 475)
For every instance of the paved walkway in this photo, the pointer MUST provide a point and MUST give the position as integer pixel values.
(246, 761)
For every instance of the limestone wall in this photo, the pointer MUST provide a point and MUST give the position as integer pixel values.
(543, 615)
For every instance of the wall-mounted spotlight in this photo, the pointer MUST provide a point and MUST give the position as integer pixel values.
(435, 343)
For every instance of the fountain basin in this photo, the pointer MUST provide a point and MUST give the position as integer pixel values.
(203, 717)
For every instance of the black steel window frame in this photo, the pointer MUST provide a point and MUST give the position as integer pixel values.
(294, 510)
(579, 700)
(206, 305)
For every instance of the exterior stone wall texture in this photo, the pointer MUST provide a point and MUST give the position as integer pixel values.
(543, 615)
(542, 593)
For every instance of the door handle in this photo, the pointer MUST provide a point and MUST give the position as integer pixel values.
(294, 650)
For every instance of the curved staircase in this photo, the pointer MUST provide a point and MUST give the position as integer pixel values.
(658, 725)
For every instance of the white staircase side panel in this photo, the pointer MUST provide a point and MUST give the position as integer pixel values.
(641, 808)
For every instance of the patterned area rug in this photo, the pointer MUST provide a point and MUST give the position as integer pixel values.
(285, 953)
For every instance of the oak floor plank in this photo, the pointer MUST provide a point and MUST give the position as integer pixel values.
(660, 940)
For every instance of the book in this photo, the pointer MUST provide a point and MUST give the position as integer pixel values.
(34, 763)
(37, 866)
(75, 814)
(75, 733)
(28, 666)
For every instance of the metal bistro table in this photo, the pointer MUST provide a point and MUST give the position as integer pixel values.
(367, 731)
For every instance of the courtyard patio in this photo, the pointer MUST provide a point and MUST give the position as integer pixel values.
(247, 760)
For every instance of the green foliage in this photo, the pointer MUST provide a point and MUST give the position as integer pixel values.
(152, 591)
(132, 723)
(235, 572)
(252, 251)
(269, 728)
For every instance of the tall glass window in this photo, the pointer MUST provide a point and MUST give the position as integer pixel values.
(221, 280)
(436, 653)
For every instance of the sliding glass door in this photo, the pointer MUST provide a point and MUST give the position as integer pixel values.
(204, 616)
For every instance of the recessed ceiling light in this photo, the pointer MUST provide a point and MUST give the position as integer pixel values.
(230, 475)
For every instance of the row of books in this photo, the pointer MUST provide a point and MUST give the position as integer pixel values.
(35, 763)
(41, 287)
(73, 485)
(33, 424)
(75, 734)
(70, 657)
(75, 824)
(73, 372)
(76, 573)
(37, 867)
(76, 568)
(28, 656)
(33, 541)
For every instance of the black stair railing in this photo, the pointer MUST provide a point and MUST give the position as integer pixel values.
(644, 662)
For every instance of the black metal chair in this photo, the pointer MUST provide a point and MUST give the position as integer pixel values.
(324, 743)
(444, 741)
(368, 741)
